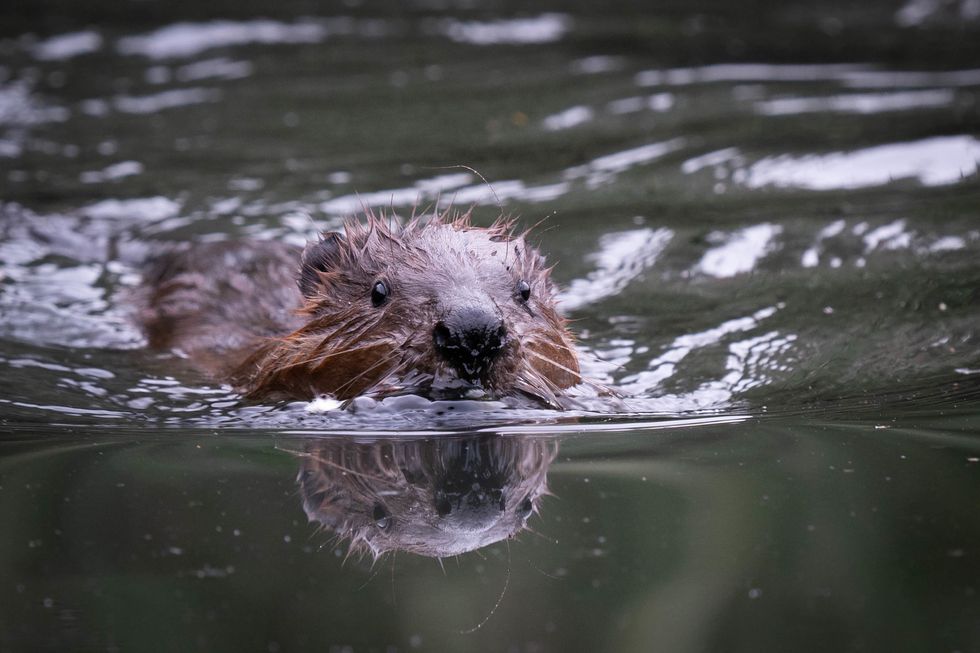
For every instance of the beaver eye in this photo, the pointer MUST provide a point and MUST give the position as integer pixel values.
(379, 293)
(523, 290)
(381, 517)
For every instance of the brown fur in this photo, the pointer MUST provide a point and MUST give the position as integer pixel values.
(332, 340)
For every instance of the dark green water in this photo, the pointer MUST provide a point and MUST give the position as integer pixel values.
(765, 216)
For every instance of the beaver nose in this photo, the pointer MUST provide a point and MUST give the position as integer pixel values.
(470, 339)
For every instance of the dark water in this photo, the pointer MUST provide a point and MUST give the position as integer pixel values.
(765, 216)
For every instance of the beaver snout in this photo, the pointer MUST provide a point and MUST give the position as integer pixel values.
(470, 339)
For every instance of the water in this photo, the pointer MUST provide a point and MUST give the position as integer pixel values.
(765, 221)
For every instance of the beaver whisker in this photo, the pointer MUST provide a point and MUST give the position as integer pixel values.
(560, 345)
(320, 359)
(552, 362)
(532, 388)
(383, 361)
(598, 387)
(414, 383)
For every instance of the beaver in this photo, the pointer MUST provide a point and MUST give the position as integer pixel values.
(437, 497)
(431, 305)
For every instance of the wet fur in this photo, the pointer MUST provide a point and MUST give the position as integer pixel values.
(241, 322)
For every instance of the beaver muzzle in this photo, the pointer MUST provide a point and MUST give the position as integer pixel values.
(470, 339)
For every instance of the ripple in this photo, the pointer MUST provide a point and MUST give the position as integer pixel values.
(188, 39)
(145, 209)
(165, 100)
(811, 257)
(622, 257)
(49, 304)
(911, 78)
(915, 13)
(665, 366)
(113, 172)
(571, 117)
(67, 46)
(597, 64)
(420, 191)
(888, 236)
(219, 67)
(750, 361)
(605, 169)
(947, 244)
(659, 102)
(711, 160)
(19, 106)
(545, 28)
(740, 251)
(934, 161)
(621, 161)
(599, 171)
(836, 244)
(864, 103)
(513, 189)
(747, 72)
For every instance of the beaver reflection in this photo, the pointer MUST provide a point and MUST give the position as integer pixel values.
(435, 498)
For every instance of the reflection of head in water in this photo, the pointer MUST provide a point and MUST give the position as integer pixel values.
(437, 497)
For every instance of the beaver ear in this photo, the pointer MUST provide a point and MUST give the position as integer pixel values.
(319, 256)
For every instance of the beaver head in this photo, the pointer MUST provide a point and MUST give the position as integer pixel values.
(438, 307)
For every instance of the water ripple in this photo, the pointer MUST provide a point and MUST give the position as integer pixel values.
(865, 103)
(515, 31)
(188, 39)
(738, 252)
(622, 257)
(67, 46)
(936, 161)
